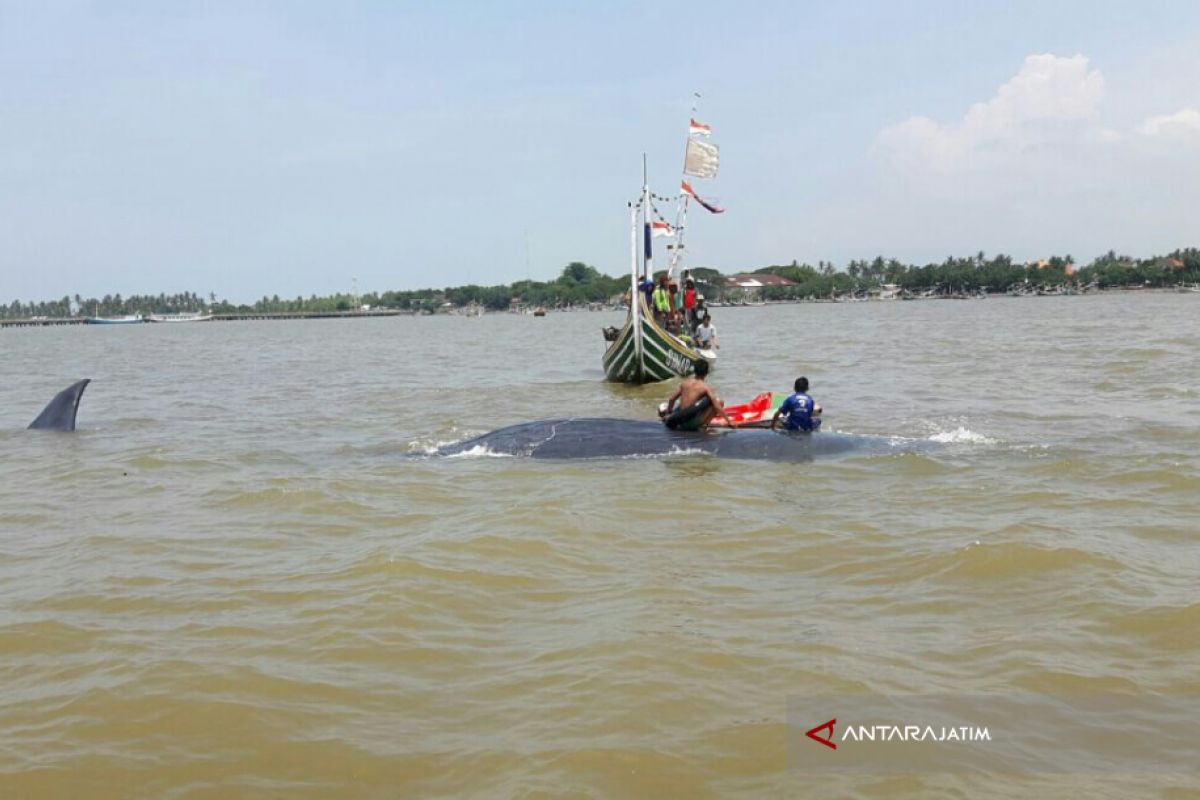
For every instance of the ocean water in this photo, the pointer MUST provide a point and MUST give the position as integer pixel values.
(244, 575)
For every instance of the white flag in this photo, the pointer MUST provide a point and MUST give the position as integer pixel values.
(701, 160)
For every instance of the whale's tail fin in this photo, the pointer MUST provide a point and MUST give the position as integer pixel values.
(59, 413)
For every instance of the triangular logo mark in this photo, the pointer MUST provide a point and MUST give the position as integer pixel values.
(826, 740)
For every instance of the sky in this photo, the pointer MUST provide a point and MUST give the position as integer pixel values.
(296, 148)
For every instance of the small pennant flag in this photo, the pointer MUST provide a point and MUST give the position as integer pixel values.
(699, 129)
(690, 192)
(662, 229)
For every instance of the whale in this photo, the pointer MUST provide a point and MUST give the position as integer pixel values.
(59, 413)
(600, 437)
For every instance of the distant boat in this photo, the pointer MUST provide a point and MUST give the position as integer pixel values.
(539, 312)
(127, 319)
(183, 316)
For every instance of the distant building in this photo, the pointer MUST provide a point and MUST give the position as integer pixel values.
(887, 291)
(1042, 263)
(748, 286)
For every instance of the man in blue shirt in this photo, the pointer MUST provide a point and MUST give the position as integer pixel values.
(799, 409)
(647, 287)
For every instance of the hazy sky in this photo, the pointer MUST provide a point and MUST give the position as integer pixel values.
(261, 148)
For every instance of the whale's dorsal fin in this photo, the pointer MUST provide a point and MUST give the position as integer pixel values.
(59, 413)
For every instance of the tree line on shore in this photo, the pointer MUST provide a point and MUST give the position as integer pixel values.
(581, 284)
(980, 273)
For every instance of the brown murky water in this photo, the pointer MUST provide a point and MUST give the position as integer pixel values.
(240, 577)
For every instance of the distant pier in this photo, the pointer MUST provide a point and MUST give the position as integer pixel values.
(250, 315)
(35, 322)
(40, 323)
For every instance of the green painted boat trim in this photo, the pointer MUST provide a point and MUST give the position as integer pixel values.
(663, 356)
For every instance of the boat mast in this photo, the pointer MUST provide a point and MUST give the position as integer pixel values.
(633, 258)
(635, 294)
(706, 167)
(648, 261)
(681, 214)
(680, 226)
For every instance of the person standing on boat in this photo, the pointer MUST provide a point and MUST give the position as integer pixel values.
(698, 403)
(647, 288)
(800, 410)
(662, 301)
(689, 303)
(706, 334)
(676, 316)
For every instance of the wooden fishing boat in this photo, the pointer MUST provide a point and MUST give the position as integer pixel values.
(643, 351)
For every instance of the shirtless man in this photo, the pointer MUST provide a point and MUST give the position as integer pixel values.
(695, 393)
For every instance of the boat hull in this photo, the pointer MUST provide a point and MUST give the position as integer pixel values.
(662, 356)
(113, 320)
(179, 318)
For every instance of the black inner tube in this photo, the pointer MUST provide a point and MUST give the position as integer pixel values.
(682, 416)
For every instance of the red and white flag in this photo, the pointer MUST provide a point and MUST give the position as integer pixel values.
(699, 129)
(690, 192)
(662, 229)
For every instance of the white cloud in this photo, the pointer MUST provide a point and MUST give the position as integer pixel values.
(1049, 163)
(1048, 87)
(1183, 124)
(1050, 100)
